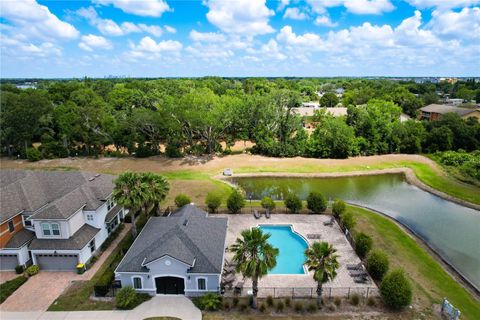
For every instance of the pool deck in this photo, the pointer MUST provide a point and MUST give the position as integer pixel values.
(303, 224)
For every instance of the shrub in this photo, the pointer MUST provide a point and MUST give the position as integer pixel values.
(210, 301)
(337, 301)
(182, 200)
(348, 220)
(316, 202)
(173, 149)
(262, 308)
(32, 270)
(128, 218)
(235, 201)
(355, 299)
(377, 264)
(9, 287)
(243, 306)
(213, 201)
(33, 154)
(338, 208)
(19, 269)
(226, 305)
(396, 289)
(287, 302)
(312, 307)
(235, 301)
(269, 301)
(331, 307)
(103, 284)
(371, 302)
(126, 298)
(268, 203)
(293, 203)
(280, 306)
(363, 244)
(298, 307)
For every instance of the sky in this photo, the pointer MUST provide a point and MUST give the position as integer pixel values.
(239, 38)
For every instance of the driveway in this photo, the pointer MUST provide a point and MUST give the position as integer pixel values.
(39, 292)
(161, 306)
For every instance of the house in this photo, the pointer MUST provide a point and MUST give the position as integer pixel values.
(435, 111)
(310, 105)
(454, 102)
(179, 254)
(55, 219)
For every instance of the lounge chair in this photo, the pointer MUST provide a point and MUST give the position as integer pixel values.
(329, 223)
(357, 273)
(314, 236)
(361, 280)
(357, 266)
(256, 214)
(267, 214)
(238, 287)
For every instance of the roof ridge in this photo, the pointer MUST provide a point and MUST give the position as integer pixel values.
(197, 249)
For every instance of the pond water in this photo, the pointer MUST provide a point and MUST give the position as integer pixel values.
(450, 229)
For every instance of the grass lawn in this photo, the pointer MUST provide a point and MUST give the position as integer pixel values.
(430, 282)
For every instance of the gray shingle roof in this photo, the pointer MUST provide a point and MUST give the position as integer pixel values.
(19, 239)
(188, 235)
(442, 109)
(54, 194)
(112, 213)
(75, 242)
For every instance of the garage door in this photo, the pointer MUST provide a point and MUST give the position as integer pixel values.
(57, 262)
(8, 261)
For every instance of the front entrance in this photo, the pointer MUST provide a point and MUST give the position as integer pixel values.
(170, 285)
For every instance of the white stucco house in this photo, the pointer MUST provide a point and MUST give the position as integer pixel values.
(179, 254)
(66, 216)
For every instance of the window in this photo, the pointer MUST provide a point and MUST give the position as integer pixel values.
(90, 217)
(91, 245)
(51, 229)
(109, 204)
(137, 282)
(11, 226)
(201, 284)
(26, 222)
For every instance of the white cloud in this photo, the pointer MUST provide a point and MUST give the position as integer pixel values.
(462, 25)
(272, 49)
(90, 42)
(353, 6)
(445, 4)
(10, 46)
(147, 44)
(325, 20)
(295, 14)
(409, 32)
(150, 8)
(287, 36)
(35, 21)
(283, 4)
(206, 36)
(109, 27)
(170, 29)
(243, 17)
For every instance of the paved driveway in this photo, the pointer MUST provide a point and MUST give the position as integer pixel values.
(39, 292)
(161, 306)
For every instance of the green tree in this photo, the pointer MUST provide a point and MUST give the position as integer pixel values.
(235, 201)
(316, 202)
(348, 220)
(396, 289)
(213, 201)
(329, 100)
(254, 256)
(181, 200)
(377, 264)
(322, 260)
(158, 188)
(338, 208)
(409, 136)
(268, 203)
(439, 139)
(293, 203)
(363, 244)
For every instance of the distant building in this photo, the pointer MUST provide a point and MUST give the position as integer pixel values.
(435, 111)
(455, 102)
(310, 104)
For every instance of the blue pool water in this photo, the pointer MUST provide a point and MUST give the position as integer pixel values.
(291, 257)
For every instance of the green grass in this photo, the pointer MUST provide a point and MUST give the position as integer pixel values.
(9, 287)
(431, 283)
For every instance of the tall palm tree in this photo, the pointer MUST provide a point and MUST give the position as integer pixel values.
(131, 193)
(322, 260)
(157, 190)
(254, 257)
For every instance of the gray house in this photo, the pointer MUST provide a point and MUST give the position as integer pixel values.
(179, 254)
(58, 219)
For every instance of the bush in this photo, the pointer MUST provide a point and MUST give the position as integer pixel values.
(32, 270)
(268, 203)
(182, 200)
(262, 308)
(348, 220)
(128, 218)
(103, 284)
(377, 264)
(33, 154)
(235, 201)
(126, 298)
(280, 306)
(316, 202)
(210, 302)
(293, 203)
(338, 208)
(371, 302)
(226, 305)
(235, 301)
(337, 301)
(9, 287)
(355, 299)
(331, 307)
(298, 307)
(173, 149)
(312, 307)
(19, 269)
(213, 201)
(287, 302)
(363, 244)
(243, 306)
(269, 301)
(396, 289)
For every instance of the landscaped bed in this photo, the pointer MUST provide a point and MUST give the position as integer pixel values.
(9, 287)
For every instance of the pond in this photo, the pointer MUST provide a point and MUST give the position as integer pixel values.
(452, 230)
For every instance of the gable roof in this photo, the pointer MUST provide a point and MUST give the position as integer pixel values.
(187, 235)
(51, 194)
(442, 109)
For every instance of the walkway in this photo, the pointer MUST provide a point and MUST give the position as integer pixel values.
(39, 292)
(160, 306)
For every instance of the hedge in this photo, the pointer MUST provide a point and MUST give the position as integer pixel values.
(9, 287)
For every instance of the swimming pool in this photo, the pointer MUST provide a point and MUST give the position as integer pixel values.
(292, 247)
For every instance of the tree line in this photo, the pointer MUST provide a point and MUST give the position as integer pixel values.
(145, 117)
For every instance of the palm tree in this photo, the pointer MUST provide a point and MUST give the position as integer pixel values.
(322, 260)
(254, 257)
(131, 193)
(157, 190)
